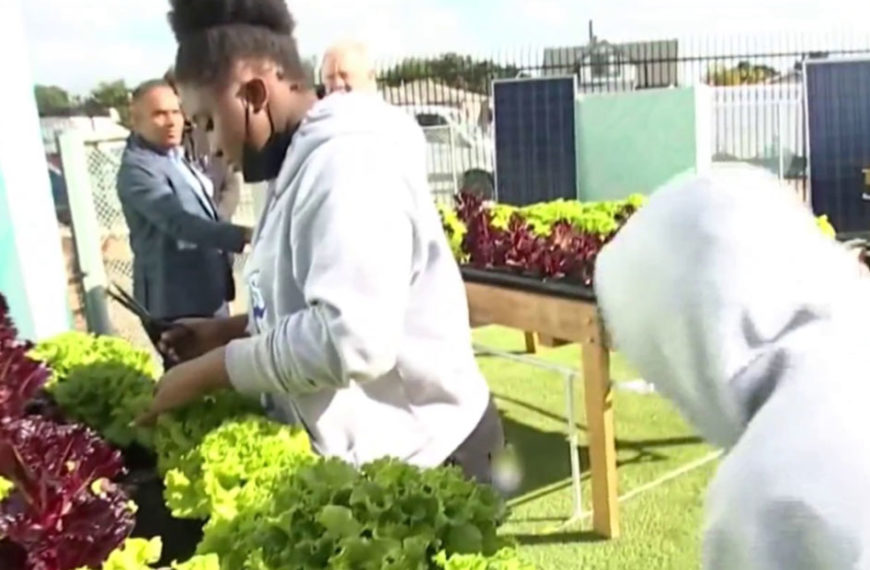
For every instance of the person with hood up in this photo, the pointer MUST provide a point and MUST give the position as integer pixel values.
(723, 293)
(358, 323)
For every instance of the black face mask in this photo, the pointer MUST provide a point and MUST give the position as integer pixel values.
(263, 164)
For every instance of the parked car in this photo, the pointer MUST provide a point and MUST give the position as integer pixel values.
(460, 154)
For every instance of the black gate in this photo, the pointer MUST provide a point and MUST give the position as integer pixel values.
(838, 123)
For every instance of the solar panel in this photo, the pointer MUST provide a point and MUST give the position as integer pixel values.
(838, 133)
(535, 152)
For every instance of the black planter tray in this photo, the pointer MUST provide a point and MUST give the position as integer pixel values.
(180, 536)
(503, 278)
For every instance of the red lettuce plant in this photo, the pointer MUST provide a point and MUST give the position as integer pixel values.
(63, 512)
(485, 244)
(565, 253)
(7, 329)
(21, 377)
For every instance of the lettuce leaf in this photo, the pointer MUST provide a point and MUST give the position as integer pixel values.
(21, 376)
(101, 381)
(387, 515)
(209, 479)
(6, 487)
(63, 511)
(134, 554)
(180, 431)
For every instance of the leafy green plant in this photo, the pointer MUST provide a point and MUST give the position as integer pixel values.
(5, 488)
(142, 554)
(454, 229)
(63, 512)
(557, 240)
(179, 432)
(101, 381)
(386, 516)
(240, 452)
(825, 225)
(70, 350)
(134, 554)
(504, 559)
(598, 218)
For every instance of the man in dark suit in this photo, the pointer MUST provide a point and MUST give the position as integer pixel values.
(181, 248)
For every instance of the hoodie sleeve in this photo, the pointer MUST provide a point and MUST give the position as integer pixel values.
(352, 242)
(785, 534)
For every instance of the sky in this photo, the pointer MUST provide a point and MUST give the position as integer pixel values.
(77, 43)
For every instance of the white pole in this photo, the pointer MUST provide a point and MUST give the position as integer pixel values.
(32, 268)
(86, 229)
(573, 442)
(780, 115)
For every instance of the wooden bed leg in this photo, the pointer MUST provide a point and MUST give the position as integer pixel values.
(531, 342)
(602, 445)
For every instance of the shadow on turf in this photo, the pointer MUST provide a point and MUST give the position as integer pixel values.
(546, 462)
(557, 537)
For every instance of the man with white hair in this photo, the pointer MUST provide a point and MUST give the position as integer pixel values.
(347, 67)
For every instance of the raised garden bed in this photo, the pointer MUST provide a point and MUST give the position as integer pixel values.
(532, 269)
(563, 312)
(561, 288)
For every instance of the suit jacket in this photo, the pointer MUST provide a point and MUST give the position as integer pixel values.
(227, 182)
(181, 265)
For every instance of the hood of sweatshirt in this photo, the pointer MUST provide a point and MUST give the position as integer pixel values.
(352, 114)
(719, 287)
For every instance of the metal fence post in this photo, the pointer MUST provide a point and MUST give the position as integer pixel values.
(453, 160)
(780, 125)
(86, 229)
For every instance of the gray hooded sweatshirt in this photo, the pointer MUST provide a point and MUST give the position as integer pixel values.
(724, 294)
(358, 314)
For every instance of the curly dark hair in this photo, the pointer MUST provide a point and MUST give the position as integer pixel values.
(213, 34)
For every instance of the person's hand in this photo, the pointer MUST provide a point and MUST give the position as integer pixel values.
(187, 383)
(249, 234)
(191, 338)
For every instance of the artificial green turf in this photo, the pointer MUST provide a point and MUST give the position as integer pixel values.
(660, 526)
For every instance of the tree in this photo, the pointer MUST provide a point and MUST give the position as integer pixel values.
(450, 69)
(744, 73)
(51, 99)
(111, 95)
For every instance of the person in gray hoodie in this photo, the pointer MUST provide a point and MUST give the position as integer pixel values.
(724, 293)
(358, 324)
